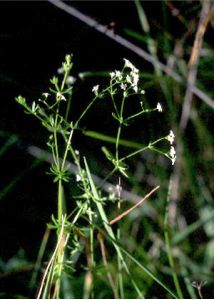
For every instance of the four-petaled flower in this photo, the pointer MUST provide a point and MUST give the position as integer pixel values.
(123, 86)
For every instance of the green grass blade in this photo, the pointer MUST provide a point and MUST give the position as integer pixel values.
(110, 139)
(109, 229)
(10, 142)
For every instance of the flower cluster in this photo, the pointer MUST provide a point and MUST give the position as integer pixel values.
(127, 81)
(171, 137)
(172, 152)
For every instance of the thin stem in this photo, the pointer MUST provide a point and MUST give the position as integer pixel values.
(85, 111)
(40, 256)
(92, 261)
(60, 200)
(112, 98)
(117, 141)
(134, 153)
(135, 115)
(68, 106)
(56, 141)
(109, 229)
(68, 142)
(50, 264)
(120, 127)
(64, 79)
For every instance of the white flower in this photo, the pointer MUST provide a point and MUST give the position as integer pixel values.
(172, 154)
(77, 152)
(95, 89)
(71, 79)
(60, 70)
(142, 92)
(112, 74)
(173, 160)
(82, 75)
(171, 137)
(118, 75)
(128, 64)
(159, 107)
(172, 151)
(135, 78)
(135, 88)
(123, 86)
(46, 95)
(60, 96)
(128, 79)
(78, 178)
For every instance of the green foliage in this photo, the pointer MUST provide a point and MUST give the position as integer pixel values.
(122, 86)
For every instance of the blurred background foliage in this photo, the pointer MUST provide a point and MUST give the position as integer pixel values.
(35, 36)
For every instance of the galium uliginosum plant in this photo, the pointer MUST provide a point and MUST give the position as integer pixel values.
(52, 110)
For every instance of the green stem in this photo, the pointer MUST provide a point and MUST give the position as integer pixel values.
(60, 200)
(117, 141)
(63, 81)
(68, 108)
(92, 263)
(109, 229)
(120, 127)
(68, 142)
(134, 153)
(85, 111)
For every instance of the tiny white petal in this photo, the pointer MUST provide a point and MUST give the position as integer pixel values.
(60, 70)
(112, 74)
(118, 74)
(159, 107)
(172, 152)
(135, 78)
(77, 152)
(128, 79)
(135, 88)
(142, 92)
(123, 86)
(71, 79)
(173, 160)
(60, 96)
(171, 137)
(78, 178)
(46, 95)
(82, 75)
(95, 89)
(128, 64)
